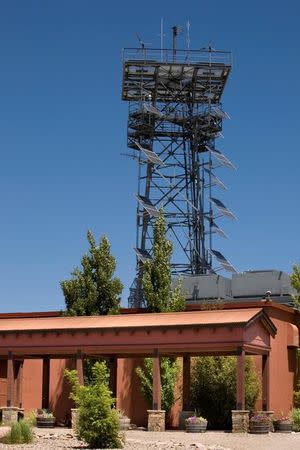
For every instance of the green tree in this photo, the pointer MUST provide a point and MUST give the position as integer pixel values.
(157, 280)
(93, 290)
(160, 297)
(213, 388)
(295, 281)
(98, 423)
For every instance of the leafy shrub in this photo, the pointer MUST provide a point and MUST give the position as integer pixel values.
(31, 418)
(26, 432)
(20, 433)
(213, 388)
(296, 419)
(169, 368)
(98, 423)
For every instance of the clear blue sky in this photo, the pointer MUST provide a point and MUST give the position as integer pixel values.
(63, 128)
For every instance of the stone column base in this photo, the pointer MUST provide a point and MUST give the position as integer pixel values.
(270, 414)
(74, 418)
(156, 420)
(182, 416)
(9, 414)
(240, 421)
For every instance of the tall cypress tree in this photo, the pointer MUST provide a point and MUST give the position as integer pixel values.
(93, 289)
(160, 297)
(157, 280)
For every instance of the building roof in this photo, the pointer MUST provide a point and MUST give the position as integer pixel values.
(142, 320)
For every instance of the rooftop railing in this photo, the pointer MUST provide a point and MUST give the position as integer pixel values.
(178, 56)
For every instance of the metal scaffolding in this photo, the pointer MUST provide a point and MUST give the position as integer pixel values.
(175, 117)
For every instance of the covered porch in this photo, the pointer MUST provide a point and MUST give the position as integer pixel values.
(220, 332)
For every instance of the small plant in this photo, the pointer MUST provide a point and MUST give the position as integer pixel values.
(296, 419)
(283, 418)
(45, 414)
(26, 432)
(98, 423)
(31, 418)
(195, 420)
(260, 418)
(20, 433)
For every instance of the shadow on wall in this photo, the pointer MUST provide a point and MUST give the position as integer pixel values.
(60, 402)
(129, 396)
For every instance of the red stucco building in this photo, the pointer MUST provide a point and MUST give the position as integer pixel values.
(35, 348)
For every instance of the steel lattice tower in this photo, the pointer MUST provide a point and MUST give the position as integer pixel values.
(175, 117)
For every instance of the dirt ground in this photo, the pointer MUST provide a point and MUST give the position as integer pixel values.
(62, 438)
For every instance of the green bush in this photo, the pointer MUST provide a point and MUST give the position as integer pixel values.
(296, 419)
(20, 433)
(213, 388)
(26, 432)
(169, 373)
(98, 423)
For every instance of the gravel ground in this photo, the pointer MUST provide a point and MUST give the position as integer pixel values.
(62, 438)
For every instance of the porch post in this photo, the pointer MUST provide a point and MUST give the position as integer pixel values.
(10, 380)
(79, 366)
(156, 389)
(265, 382)
(156, 417)
(186, 382)
(240, 379)
(10, 412)
(240, 417)
(46, 382)
(113, 365)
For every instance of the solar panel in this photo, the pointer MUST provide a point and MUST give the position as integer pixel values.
(222, 208)
(218, 230)
(142, 254)
(223, 261)
(147, 205)
(150, 155)
(219, 112)
(152, 110)
(215, 179)
(209, 95)
(220, 157)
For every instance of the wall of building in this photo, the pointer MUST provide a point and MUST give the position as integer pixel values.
(282, 370)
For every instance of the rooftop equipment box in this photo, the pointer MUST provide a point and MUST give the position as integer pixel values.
(197, 287)
(256, 283)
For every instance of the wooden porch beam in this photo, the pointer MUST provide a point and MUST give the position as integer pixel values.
(240, 379)
(79, 366)
(10, 379)
(156, 388)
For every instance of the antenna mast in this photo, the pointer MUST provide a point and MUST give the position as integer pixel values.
(175, 117)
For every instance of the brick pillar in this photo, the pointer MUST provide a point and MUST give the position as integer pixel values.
(240, 421)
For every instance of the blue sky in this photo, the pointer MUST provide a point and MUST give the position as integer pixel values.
(63, 128)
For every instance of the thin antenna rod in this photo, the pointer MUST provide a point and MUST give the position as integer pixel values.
(188, 40)
(161, 38)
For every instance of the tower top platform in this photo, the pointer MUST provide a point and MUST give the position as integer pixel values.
(193, 76)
